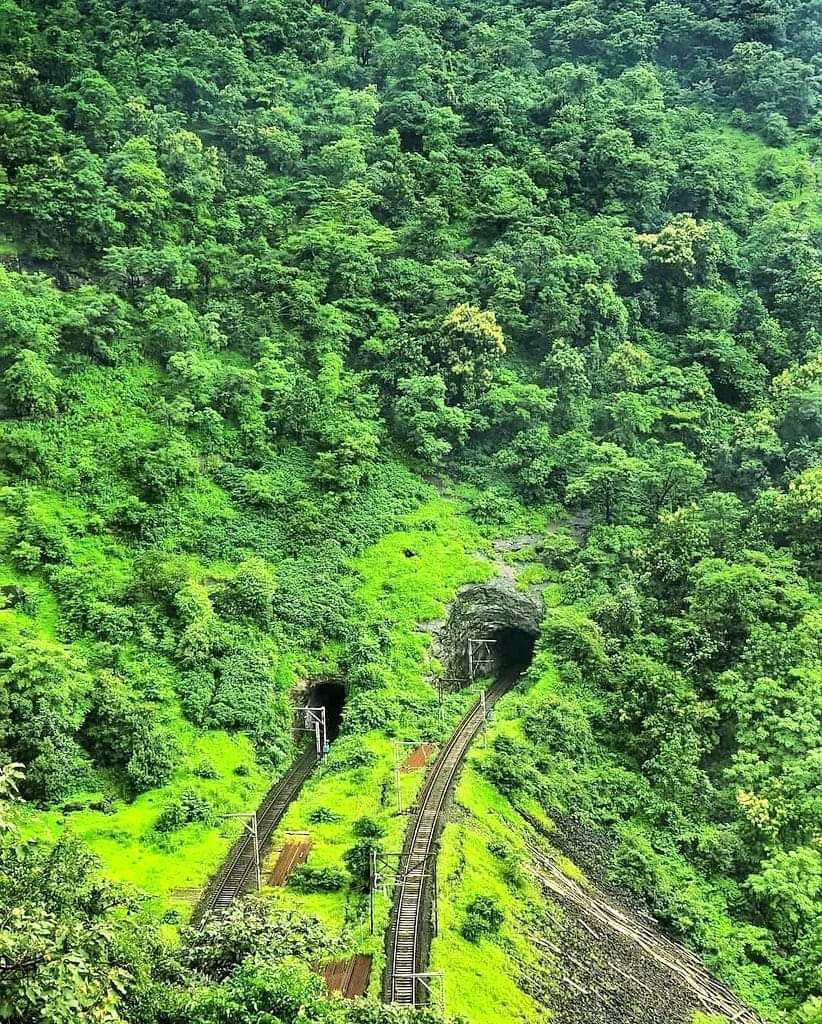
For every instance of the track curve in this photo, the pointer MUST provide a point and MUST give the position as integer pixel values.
(408, 937)
(237, 874)
(712, 995)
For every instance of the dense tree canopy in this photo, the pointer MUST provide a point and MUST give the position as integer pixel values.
(263, 266)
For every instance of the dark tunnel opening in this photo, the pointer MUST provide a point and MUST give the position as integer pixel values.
(331, 696)
(514, 650)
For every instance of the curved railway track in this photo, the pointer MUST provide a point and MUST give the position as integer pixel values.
(409, 932)
(712, 995)
(237, 875)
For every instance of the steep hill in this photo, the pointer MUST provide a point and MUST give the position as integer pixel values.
(304, 305)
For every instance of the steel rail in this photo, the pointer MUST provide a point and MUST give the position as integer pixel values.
(407, 940)
(237, 874)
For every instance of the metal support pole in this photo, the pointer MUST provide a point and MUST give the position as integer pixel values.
(398, 745)
(424, 981)
(255, 836)
(397, 778)
(483, 659)
(250, 826)
(484, 707)
(436, 914)
(372, 882)
(315, 721)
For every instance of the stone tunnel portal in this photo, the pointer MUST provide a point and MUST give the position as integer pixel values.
(495, 611)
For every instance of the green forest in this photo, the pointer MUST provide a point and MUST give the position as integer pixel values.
(304, 305)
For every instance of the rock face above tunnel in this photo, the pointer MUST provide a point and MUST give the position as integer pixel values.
(480, 611)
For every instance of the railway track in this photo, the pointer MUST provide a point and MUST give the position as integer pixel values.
(408, 937)
(712, 995)
(237, 875)
(409, 933)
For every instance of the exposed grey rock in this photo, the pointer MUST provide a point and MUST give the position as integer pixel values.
(483, 611)
(523, 540)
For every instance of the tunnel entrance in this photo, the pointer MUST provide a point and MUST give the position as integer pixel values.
(331, 696)
(491, 629)
(514, 651)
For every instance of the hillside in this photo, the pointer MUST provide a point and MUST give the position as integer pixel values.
(312, 314)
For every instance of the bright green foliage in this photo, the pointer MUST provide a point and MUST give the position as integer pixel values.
(305, 878)
(483, 917)
(60, 944)
(469, 345)
(260, 259)
(30, 385)
(481, 866)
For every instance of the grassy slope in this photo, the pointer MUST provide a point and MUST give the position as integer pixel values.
(123, 837)
(483, 982)
(399, 591)
(800, 191)
(480, 979)
(133, 853)
(84, 485)
(395, 589)
(405, 591)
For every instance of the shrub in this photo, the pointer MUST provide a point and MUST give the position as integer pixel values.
(368, 828)
(498, 848)
(483, 918)
(558, 550)
(42, 538)
(60, 768)
(560, 724)
(573, 636)
(206, 769)
(250, 593)
(186, 809)
(121, 732)
(30, 385)
(251, 927)
(357, 860)
(305, 878)
(153, 759)
(369, 675)
(26, 556)
(43, 700)
(12, 596)
(494, 508)
(366, 711)
(165, 469)
(348, 753)
(510, 767)
(320, 815)
(243, 696)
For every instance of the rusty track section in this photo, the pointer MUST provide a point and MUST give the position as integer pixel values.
(291, 856)
(348, 977)
(408, 938)
(236, 876)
